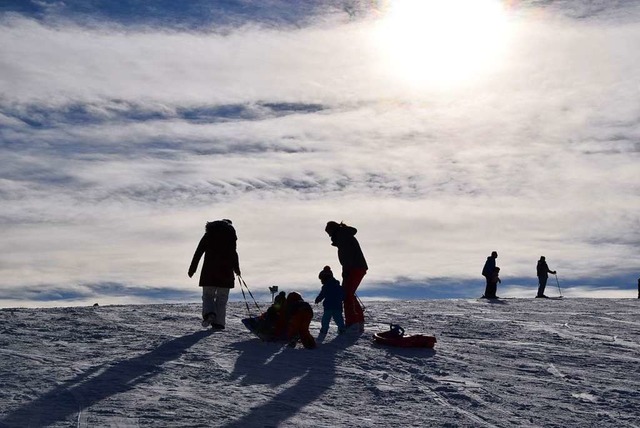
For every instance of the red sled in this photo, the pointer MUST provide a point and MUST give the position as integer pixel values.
(395, 337)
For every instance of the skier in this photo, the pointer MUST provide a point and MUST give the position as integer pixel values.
(354, 268)
(543, 272)
(333, 295)
(217, 275)
(489, 272)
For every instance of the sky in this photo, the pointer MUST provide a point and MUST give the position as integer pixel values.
(441, 130)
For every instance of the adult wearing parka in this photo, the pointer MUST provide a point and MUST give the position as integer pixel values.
(354, 268)
(217, 275)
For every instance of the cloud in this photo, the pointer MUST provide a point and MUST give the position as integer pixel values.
(119, 141)
(197, 15)
(613, 11)
(50, 295)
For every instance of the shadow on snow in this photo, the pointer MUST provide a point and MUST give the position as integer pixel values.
(315, 371)
(91, 386)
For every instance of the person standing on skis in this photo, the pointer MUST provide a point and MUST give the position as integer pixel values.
(543, 272)
(354, 268)
(217, 275)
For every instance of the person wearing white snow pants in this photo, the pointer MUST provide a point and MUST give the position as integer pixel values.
(214, 305)
(218, 245)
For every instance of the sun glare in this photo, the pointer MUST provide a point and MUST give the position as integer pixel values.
(441, 41)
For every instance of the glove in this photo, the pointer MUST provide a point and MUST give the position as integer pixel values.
(237, 271)
(190, 273)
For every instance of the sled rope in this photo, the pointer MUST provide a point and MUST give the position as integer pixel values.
(246, 302)
(364, 308)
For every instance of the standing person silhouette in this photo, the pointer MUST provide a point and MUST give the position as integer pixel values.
(543, 272)
(489, 271)
(217, 275)
(354, 268)
(333, 295)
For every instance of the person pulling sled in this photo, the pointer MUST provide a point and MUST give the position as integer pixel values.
(218, 245)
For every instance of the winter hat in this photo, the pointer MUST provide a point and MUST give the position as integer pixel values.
(325, 273)
(280, 298)
(294, 296)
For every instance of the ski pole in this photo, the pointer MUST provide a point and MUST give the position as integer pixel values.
(558, 282)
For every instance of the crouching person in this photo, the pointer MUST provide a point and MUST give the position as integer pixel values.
(299, 316)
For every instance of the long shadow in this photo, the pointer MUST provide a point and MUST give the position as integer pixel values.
(255, 363)
(496, 301)
(86, 389)
(315, 370)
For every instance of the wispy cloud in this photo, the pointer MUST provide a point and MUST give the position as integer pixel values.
(118, 142)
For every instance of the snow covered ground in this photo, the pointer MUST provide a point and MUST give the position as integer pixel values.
(515, 362)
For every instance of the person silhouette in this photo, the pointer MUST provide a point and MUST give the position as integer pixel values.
(299, 315)
(333, 295)
(495, 280)
(543, 272)
(217, 275)
(354, 268)
(489, 272)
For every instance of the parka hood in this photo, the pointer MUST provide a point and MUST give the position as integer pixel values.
(213, 226)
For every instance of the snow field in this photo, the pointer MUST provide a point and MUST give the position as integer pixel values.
(515, 362)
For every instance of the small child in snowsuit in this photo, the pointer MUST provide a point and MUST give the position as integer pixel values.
(273, 322)
(333, 295)
(493, 281)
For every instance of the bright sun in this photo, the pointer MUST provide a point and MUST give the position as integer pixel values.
(441, 42)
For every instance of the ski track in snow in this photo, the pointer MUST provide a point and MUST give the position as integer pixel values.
(516, 362)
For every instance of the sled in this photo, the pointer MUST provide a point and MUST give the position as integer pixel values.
(395, 337)
(253, 325)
